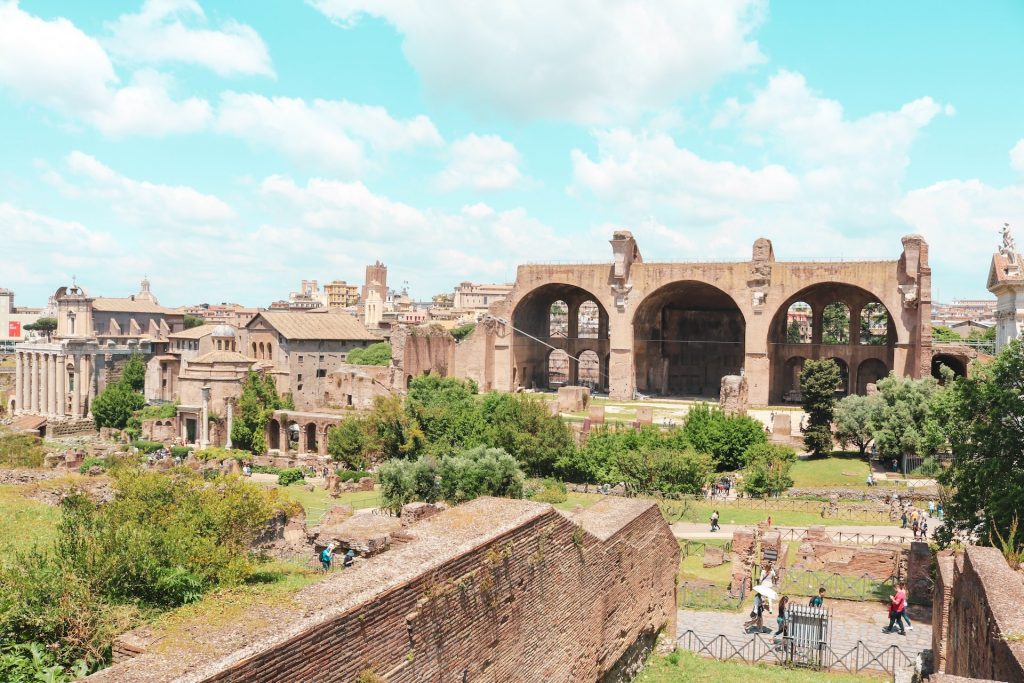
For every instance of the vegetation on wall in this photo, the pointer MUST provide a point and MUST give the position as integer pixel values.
(463, 331)
(256, 405)
(374, 354)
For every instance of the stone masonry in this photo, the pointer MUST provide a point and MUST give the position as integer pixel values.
(493, 590)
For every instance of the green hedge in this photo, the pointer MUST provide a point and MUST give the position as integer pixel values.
(290, 476)
(147, 446)
(180, 451)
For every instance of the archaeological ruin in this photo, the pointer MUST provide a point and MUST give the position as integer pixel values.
(677, 328)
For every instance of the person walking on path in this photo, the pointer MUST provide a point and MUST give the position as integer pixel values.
(897, 606)
(819, 599)
(714, 521)
(902, 592)
(756, 615)
(781, 618)
(903, 519)
(326, 557)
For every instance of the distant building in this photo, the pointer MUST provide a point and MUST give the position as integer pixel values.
(235, 315)
(476, 297)
(13, 319)
(376, 281)
(340, 294)
(1006, 281)
(307, 298)
(962, 310)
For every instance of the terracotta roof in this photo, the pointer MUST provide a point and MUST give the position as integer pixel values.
(127, 305)
(222, 357)
(28, 422)
(1001, 270)
(197, 332)
(302, 325)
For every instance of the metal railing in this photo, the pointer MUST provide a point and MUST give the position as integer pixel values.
(837, 586)
(764, 649)
(698, 547)
(676, 506)
(703, 597)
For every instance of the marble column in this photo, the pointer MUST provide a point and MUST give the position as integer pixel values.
(91, 379)
(204, 428)
(230, 406)
(19, 382)
(76, 397)
(62, 385)
(51, 385)
(34, 382)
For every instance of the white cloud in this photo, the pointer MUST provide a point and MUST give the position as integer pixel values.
(330, 134)
(1017, 156)
(26, 230)
(482, 162)
(142, 203)
(146, 108)
(584, 60)
(160, 33)
(56, 64)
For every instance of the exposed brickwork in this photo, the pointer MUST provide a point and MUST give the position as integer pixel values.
(940, 607)
(494, 590)
(984, 610)
(879, 562)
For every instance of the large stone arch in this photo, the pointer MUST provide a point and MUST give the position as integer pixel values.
(851, 352)
(687, 335)
(532, 340)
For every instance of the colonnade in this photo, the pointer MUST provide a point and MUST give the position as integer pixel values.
(45, 385)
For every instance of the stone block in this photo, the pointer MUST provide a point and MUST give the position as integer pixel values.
(596, 415)
(782, 425)
(645, 415)
(413, 512)
(713, 556)
(732, 397)
(573, 399)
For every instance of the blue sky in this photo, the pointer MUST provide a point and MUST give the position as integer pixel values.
(231, 149)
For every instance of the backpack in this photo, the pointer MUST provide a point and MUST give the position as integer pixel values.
(325, 555)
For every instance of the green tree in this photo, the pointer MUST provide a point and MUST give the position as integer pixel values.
(903, 420)
(374, 354)
(853, 421)
(767, 470)
(193, 321)
(525, 428)
(480, 471)
(725, 437)
(350, 443)
(256, 405)
(986, 431)
(793, 335)
(397, 434)
(445, 408)
(835, 324)
(818, 382)
(133, 375)
(597, 462)
(114, 406)
(944, 334)
(44, 325)
(664, 470)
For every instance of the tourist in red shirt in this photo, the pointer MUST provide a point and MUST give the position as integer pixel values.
(897, 607)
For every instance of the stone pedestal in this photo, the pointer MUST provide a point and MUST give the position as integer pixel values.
(732, 398)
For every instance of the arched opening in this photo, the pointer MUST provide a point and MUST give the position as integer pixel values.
(791, 382)
(874, 324)
(830, 320)
(869, 372)
(588, 320)
(590, 371)
(293, 437)
(558, 369)
(844, 377)
(558, 319)
(311, 442)
(263, 352)
(686, 336)
(835, 324)
(555, 317)
(270, 352)
(955, 363)
(798, 323)
(273, 435)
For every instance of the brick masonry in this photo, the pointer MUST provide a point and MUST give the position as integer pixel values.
(984, 611)
(940, 607)
(493, 590)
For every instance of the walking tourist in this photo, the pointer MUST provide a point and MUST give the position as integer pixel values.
(714, 521)
(756, 615)
(924, 531)
(897, 605)
(819, 599)
(903, 519)
(902, 591)
(781, 618)
(326, 556)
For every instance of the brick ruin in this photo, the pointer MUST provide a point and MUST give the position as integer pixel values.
(492, 590)
(817, 552)
(978, 623)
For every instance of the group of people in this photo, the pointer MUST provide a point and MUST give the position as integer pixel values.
(718, 489)
(327, 557)
(916, 520)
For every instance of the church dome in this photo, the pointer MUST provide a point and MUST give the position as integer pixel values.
(224, 331)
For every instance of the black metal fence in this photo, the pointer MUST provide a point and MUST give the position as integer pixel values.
(838, 586)
(698, 547)
(701, 597)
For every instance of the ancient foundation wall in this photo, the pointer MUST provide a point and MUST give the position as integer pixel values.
(940, 608)
(543, 598)
(984, 611)
(417, 351)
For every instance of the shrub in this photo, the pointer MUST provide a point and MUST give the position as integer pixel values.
(463, 331)
(147, 446)
(929, 467)
(768, 469)
(374, 354)
(115, 406)
(350, 442)
(89, 463)
(289, 476)
(546, 491)
(396, 487)
(180, 451)
(478, 472)
(352, 475)
(20, 450)
(725, 437)
(660, 469)
(219, 454)
(266, 469)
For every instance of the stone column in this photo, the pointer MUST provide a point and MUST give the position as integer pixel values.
(91, 378)
(204, 417)
(51, 385)
(283, 437)
(854, 327)
(76, 397)
(303, 446)
(321, 443)
(230, 407)
(34, 383)
(817, 315)
(62, 385)
(19, 382)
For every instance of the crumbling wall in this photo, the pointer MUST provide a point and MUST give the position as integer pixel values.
(419, 351)
(540, 597)
(940, 607)
(985, 618)
(164, 430)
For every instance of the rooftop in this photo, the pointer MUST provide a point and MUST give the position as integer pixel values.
(332, 326)
(130, 305)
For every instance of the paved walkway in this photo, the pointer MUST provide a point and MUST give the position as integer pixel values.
(700, 531)
(847, 629)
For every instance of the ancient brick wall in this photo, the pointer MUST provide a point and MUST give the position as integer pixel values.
(419, 350)
(542, 598)
(984, 610)
(940, 608)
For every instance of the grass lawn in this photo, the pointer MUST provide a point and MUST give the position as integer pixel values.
(27, 522)
(701, 513)
(839, 469)
(683, 666)
(318, 501)
(692, 569)
(581, 499)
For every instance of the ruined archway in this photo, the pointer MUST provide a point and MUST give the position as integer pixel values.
(869, 372)
(791, 380)
(549, 318)
(558, 369)
(311, 438)
(686, 336)
(844, 376)
(957, 364)
(590, 371)
(273, 435)
(845, 322)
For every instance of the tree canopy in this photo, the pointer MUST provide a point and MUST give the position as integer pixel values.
(819, 380)
(257, 403)
(853, 421)
(374, 354)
